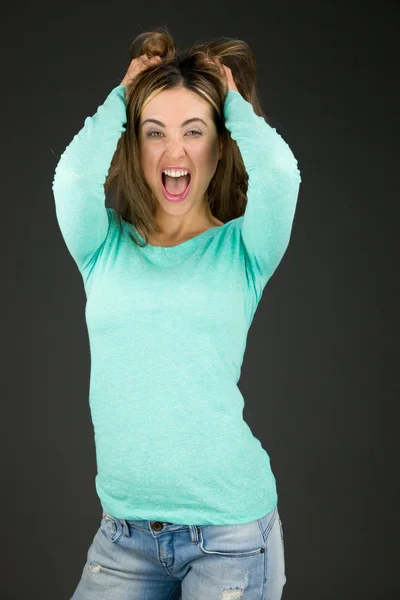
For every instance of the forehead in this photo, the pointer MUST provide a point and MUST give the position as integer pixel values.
(175, 105)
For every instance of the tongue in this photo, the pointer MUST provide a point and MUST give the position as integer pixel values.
(176, 185)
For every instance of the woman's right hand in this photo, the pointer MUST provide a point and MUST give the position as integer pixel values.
(137, 65)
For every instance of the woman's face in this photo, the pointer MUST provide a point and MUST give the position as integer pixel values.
(194, 145)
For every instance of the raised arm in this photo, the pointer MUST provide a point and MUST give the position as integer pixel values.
(78, 185)
(273, 187)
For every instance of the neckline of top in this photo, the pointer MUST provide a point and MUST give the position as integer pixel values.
(182, 244)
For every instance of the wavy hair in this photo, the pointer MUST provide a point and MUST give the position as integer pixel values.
(226, 193)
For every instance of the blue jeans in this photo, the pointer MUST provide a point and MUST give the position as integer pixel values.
(151, 560)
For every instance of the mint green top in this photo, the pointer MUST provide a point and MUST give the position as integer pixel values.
(167, 330)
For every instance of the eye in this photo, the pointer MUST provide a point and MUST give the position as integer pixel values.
(150, 133)
(195, 131)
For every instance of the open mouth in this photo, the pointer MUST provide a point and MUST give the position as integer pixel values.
(175, 188)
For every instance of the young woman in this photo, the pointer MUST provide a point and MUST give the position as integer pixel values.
(206, 192)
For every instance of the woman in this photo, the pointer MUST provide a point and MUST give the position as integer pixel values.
(206, 193)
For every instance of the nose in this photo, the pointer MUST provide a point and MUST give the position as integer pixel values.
(175, 155)
(175, 151)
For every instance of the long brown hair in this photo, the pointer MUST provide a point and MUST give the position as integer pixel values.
(226, 193)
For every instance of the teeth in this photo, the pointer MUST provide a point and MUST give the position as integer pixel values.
(175, 173)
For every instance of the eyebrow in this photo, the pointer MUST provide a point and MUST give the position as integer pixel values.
(183, 124)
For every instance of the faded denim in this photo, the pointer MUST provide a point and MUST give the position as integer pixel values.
(151, 560)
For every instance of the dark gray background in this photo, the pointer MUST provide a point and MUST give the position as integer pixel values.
(320, 374)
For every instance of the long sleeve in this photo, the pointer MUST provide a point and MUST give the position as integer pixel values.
(273, 187)
(78, 185)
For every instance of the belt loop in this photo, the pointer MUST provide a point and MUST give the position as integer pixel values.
(125, 526)
(194, 533)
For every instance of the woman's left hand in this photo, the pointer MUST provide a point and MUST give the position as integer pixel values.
(226, 75)
(230, 80)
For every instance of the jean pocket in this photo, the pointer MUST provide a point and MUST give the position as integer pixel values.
(111, 528)
(231, 540)
(267, 522)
